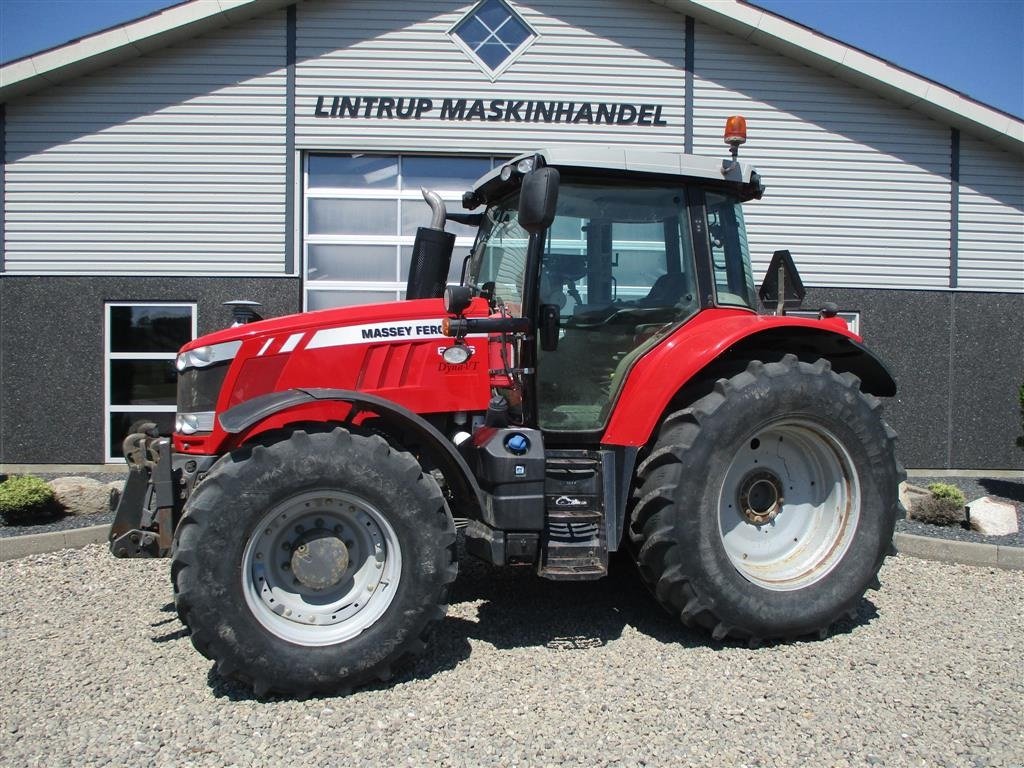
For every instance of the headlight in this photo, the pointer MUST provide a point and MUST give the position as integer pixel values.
(200, 357)
(190, 423)
(521, 168)
(457, 354)
(186, 423)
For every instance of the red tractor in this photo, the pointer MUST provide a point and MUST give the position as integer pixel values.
(601, 379)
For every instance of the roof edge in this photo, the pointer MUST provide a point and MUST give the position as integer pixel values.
(126, 41)
(856, 67)
(749, 22)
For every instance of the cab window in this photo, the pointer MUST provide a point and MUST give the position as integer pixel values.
(727, 239)
(618, 264)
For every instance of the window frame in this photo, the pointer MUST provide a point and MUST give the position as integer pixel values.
(109, 356)
(749, 301)
(513, 56)
(396, 240)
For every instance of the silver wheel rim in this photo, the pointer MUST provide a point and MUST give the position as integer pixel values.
(789, 505)
(299, 613)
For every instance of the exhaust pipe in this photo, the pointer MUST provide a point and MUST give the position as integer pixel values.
(243, 312)
(437, 210)
(431, 253)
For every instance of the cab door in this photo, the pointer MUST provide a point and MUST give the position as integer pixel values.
(618, 264)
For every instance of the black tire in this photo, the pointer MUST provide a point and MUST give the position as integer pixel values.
(226, 575)
(705, 497)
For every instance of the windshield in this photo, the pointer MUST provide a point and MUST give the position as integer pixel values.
(620, 247)
(499, 255)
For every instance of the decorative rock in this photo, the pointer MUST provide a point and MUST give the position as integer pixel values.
(909, 494)
(115, 486)
(82, 495)
(992, 518)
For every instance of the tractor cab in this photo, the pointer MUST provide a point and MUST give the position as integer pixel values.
(627, 252)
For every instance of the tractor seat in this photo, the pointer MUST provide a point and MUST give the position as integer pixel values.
(666, 291)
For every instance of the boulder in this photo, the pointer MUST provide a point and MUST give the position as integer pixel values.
(911, 494)
(82, 495)
(115, 486)
(992, 518)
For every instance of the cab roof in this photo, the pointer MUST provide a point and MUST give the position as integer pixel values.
(619, 160)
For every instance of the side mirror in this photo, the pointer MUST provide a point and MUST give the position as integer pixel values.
(782, 286)
(538, 197)
(457, 299)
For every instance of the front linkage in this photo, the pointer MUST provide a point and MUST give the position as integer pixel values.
(159, 482)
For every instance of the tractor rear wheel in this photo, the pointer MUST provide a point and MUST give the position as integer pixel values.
(766, 508)
(314, 564)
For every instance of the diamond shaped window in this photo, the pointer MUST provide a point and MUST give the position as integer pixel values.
(493, 34)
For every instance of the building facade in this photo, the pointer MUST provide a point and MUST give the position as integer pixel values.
(275, 151)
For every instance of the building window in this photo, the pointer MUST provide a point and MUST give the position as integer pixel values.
(141, 342)
(493, 35)
(360, 220)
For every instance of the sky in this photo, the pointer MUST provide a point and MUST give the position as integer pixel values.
(972, 46)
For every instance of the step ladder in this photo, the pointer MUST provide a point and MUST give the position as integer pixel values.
(574, 543)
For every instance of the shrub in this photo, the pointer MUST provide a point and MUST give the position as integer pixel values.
(937, 511)
(944, 507)
(947, 492)
(25, 499)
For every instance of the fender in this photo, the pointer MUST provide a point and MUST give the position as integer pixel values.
(719, 343)
(454, 468)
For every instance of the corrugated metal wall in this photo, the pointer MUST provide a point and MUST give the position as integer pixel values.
(170, 164)
(858, 188)
(991, 230)
(587, 51)
(174, 163)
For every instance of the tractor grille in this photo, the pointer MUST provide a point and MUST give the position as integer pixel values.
(199, 388)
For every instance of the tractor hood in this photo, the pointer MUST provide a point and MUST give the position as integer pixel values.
(393, 351)
(310, 322)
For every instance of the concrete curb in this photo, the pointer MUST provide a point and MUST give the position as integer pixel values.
(962, 552)
(924, 547)
(40, 543)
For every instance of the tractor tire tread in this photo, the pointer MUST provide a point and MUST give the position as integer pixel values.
(659, 476)
(225, 478)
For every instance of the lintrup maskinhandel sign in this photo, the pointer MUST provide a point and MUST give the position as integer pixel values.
(495, 110)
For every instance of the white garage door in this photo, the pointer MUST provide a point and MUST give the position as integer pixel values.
(360, 217)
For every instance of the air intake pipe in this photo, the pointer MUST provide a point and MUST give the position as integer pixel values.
(431, 253)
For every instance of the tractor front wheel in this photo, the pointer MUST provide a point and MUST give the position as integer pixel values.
(766, 508)
(314, 564)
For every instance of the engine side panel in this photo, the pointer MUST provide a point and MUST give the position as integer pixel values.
(392, 351)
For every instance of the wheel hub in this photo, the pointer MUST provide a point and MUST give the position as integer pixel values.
(321, 567)
(789, 505)
(320, 560)
(760, 497)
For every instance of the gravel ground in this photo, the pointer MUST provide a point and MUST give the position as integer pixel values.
(999, 489)
(97, 670)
